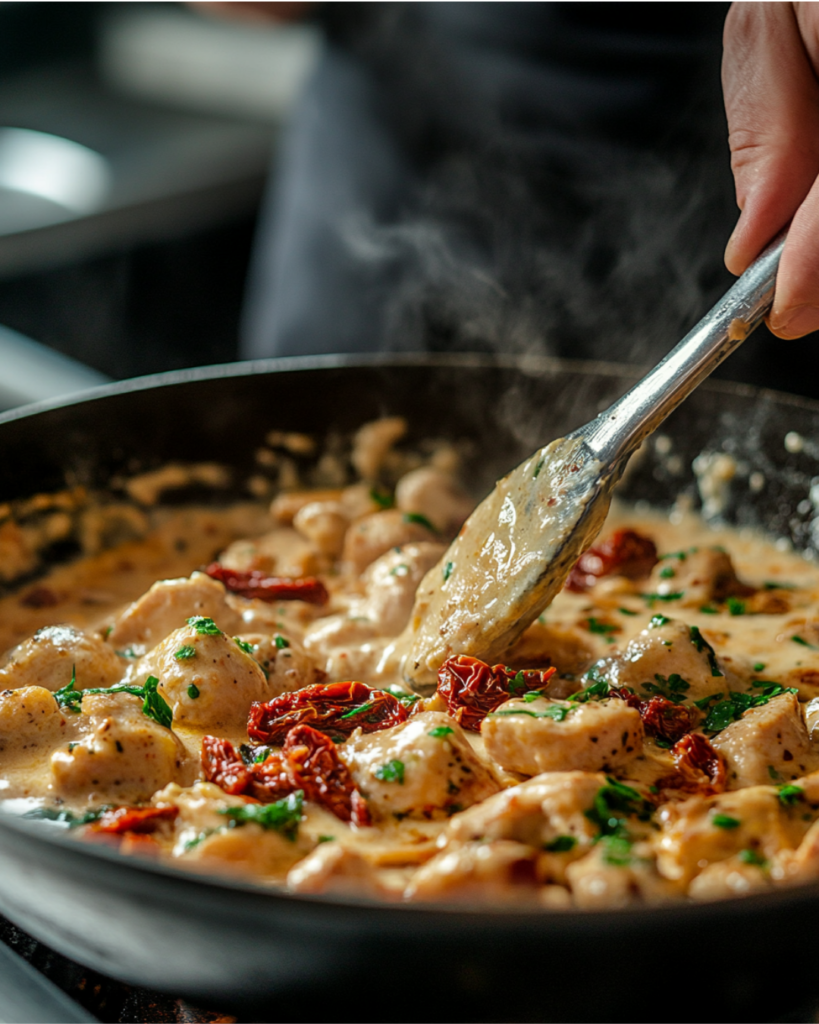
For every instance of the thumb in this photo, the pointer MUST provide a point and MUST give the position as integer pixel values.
(772, 105)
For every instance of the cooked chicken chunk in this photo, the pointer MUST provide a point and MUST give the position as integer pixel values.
(539, 812)
(500, 869)
(424, 767)
(335, 868)
(123, 756)
(547, 735)
(435, 495)
(374, 535)
(29, 721)
(768, 743)
(705, 830)
(167, 606)
(324, 524)
(208, 680)
(731, 877)
(284, 660)
(56, 653)
(282, 552)
(604, 879)
(701, 575)
(652, 659)
(210, 840)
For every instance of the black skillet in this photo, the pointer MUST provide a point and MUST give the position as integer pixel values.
(274, 956)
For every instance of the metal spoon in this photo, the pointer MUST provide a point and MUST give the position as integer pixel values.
(517, 548)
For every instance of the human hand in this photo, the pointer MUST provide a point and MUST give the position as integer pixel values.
(769, 78)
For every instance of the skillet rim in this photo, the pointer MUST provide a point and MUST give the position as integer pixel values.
(515, 918)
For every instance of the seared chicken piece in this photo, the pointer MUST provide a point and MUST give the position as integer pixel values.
(285, 662)
(30, 721)
(335, 868)
(769, 743)
(602, 879)
(167, 606)
(659, 652)
(208, 680)
(435, 495)
(56, 653)
(372, 536)
(701, 575)
(548, 736)
(123, 756)
(211, 841)
(424, 767)
(499, 869)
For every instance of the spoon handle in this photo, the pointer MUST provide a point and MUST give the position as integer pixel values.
(621, 428)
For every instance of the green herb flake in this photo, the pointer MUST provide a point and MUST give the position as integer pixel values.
(204, 626)
(707, 609)
(774, 585)
(701, 644)
(407, 699)
(658, 620)
(752, 857)
(448, 570)
(61, 816)
(759, 666)
(392, 771)
(282, 816)
(69, 698)
(400, 570)
(651, 598)
(325, 839)
(803, 642)
(703, 702)
(419, 520)
(184, 653)
(557, 712)
(532, 695)
(667, 573)
(735, 606)
(561, 844)
(244, 645)
(440, 731)
(789, 795)
(193, 691)
(382, 498)
(679, 555)
(601, 628)
(540, 464)
(281, 641)
(626, 611)
(725, 821)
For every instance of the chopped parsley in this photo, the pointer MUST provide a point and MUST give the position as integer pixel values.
(679, 555)
(736, 704)
(129, 652)
(392, 771)
(153, 705)
(788, 795)
(668, 573)
(672, 688)
(658, 620)
(725, 821)
(204, 626)
(419, 520)
(281, 641)
(612, 804)
(701, 644)
(61, 816)
(517, 683)
(193, 691)
(184, 653)
(540, 463)
(626, 611)
(803, 642)
(68, 697)
(282, 816)
(752, 857)
(703, 702)
(601, 628)
(325, 839)
(244, 645)
(400, 570)
(407, 699)
(532, 695)
(598, 689)
(561, 844)
(773, 585)
(759, 666)
(448, 567)
(440, 731)
(382, 498)
(708, 609)
(735, 606)
(774, 774)
(651, 598)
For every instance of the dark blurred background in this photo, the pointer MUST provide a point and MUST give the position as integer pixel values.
(144, 271)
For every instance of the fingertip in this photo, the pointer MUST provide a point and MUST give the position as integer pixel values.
(794, 323)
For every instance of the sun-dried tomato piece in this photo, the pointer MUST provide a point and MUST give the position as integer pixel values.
(308, 761)
(624, 553)
(665, 719)
(260, 585)
(313, 765)
(133, 819)
(700, 768)
(337, 709)
(222, 765)
(472, 689)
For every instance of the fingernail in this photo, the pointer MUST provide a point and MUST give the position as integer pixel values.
(797, 322)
